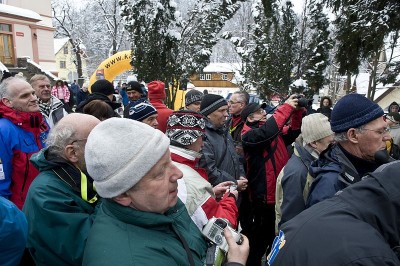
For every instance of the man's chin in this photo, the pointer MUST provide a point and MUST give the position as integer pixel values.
(33, 109)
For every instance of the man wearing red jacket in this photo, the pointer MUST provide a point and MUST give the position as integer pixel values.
(265, 148)
(186, 129)
(21, 128)
(157, 96)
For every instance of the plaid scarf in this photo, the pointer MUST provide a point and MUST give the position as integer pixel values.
(45, 108)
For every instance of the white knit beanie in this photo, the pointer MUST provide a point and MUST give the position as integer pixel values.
(315, 127)
(119, 152)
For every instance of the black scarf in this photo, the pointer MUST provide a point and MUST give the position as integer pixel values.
(72, 176)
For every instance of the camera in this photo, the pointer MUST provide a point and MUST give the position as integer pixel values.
(214, 231)
(303, 102)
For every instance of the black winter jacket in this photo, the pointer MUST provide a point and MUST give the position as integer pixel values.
(360, 226)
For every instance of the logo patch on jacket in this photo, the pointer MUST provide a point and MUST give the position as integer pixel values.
(278, 243)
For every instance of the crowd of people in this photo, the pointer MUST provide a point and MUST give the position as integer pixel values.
(81, 185)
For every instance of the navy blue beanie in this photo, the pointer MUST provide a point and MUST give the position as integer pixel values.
(353, 111)
(140, 110)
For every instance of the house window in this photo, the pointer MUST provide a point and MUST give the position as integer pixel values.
(202, 76)
(208, 76)
(5, 27)
(6, 44)
(66, 49)
(62, 64)
(224, 76)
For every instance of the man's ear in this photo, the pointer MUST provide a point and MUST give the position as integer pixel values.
(313, 145)
(123, 199)
(70, 153)
(7, 102)
(352, 135)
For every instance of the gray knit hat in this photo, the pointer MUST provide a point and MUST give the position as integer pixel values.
(210, 103)
(138, 151)
(193, 96)
(315, 127)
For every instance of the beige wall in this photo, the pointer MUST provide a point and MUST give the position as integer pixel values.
(393, 96)
(23, 43)
(39, 48)
(43, 7)
(45, 44)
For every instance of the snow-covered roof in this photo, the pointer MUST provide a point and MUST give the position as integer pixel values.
(222, 67)
(45, 71)
(21, 12)
(59, 43)
(3, 67)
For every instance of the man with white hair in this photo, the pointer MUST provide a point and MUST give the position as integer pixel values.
(141, 220)
(61, 202)
(22, 127)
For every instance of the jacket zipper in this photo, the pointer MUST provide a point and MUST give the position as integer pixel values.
(25, 176)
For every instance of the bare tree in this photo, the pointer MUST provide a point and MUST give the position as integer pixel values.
(110, 12)
(67, 26)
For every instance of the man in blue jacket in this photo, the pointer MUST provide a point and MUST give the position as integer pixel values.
(360, 131)
(293, 183)
(21, 130)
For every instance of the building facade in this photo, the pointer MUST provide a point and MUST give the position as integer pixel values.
(66, 61)
(217, 78)
(26, 30)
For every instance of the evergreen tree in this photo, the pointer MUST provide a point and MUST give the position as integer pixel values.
(167, 48)
(287, 45)
(362, 27)
(318, 49)
(268, 56)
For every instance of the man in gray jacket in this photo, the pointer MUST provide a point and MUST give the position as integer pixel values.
(219, 155)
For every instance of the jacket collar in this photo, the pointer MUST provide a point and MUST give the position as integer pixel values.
(29, 121)
(143, 219)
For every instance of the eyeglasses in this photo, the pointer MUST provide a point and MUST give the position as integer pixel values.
(390, 118)
(232, 102)
(77, 141)
(385, 131)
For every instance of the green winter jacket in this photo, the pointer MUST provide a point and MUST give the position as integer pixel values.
(125, 236)
(59, 220)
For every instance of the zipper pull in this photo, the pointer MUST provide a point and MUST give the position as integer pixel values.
(2, 175)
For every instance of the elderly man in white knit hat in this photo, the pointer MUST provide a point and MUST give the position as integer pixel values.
(294, 181)
(141, 220)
